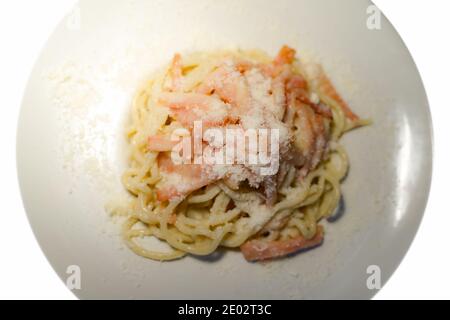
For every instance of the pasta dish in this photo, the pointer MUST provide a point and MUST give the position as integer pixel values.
(237, 150)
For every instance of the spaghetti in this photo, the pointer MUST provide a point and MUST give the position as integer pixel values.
(197, 208)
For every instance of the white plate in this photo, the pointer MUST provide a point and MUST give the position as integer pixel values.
(70, 144)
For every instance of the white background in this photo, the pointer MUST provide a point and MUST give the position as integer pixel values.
(25, 26)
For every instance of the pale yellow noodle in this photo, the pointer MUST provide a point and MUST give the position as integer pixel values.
(203, 220)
